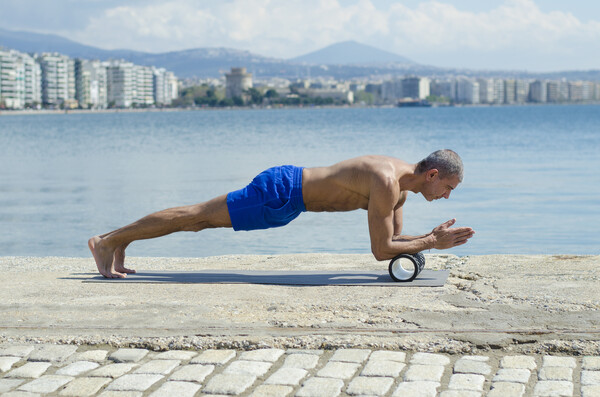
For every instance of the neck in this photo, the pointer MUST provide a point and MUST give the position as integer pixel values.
(412, 181)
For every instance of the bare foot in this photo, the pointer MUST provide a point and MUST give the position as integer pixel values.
(104, 258)
(119, 260)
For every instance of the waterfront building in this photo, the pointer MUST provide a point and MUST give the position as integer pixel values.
(521, 91)
(58, 79)
(563, 91)
(91, 84)
(32, 95)
(391, 90)
(509, 91)
(9, 97)
(415, 87)
(237, 82)
(165, 86)
(587, 90)
(142, 86)
(552, 91)
(119, 85)
(575, 91)
(467, 91)
(538, 91)
(486, 90)
(498, 91)
(446, 89)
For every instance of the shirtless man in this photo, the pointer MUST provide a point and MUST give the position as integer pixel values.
(278, 195)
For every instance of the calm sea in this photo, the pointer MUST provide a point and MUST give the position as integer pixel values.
(531, 183)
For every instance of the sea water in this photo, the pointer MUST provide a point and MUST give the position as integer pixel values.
(531, 182)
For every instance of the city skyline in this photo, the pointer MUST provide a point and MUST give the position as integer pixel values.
(532, 35)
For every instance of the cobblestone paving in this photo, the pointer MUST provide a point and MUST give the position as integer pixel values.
(66, 370)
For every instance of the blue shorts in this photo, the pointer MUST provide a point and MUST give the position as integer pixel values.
(272, 199)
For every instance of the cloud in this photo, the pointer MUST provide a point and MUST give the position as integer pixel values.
(424, 32)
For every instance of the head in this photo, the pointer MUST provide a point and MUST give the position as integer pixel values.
(442, 171)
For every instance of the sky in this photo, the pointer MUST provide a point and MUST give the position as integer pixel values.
(527, 35)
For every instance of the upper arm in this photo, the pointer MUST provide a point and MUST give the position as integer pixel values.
(398, 214)
(383, 198)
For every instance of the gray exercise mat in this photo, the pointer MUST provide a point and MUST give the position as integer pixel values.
(427, 278)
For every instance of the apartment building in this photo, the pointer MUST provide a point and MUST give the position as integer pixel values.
(486, 90)
(445, 88)
(119, 78)
(142, 86)
(416, 87)
(467, 91)
(538, 91)
(58, 79)
(521, 91)
(91, 83)
(20, 80)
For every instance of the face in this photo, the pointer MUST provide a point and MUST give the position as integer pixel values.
(437, 188)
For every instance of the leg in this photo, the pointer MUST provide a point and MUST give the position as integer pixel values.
(109, 249)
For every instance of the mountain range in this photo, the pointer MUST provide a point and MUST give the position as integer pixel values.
(345, 60)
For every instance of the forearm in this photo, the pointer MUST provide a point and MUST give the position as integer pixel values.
(405, 245)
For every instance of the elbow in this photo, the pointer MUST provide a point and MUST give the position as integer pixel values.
(381, 254)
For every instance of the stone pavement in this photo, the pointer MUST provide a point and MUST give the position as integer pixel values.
(70, 370)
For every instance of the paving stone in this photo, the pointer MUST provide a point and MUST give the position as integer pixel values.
(321, 387)
(369, 386)
(591, 363)
(286, 376)
(6, 363)
(590, 391)
(382, 368)
(269, 355)
(317, 352)
(182, 355)
(466, 382)
(77, 368)
(476, 358)
(17, 393)
(590, 377)
(112, 370)
(272, 391)
(84, 387)
(243, 367)
(128, 355)
(429, 373)
(46, 384)
(134, 382)
(29, 370)
(429, 359)
(52, 353)
(506, 389)
(229, 384)
(338, 370)
(122, 394)
(16, 351)
(416, 389)
(553, 388)
(527, 362)
(179, 389)
(388, 356)
(556, 373)
(351, 355)
(193, 373)
(159, 367)
(556, 361)
(469, 366)
(460, 393)
(512, 375)
(97, 356)
(214, 357)
(304, 361)
(9, 384)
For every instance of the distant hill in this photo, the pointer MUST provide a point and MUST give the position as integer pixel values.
(346, 60)
(351, 53)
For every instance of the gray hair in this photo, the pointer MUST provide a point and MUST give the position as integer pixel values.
(446, 161)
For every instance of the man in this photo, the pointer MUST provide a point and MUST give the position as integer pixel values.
(278, 195)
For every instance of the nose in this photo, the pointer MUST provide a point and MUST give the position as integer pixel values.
(447, 195)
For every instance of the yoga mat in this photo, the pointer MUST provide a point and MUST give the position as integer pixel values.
(427, 278)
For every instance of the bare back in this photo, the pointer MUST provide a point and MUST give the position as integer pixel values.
(347, 185)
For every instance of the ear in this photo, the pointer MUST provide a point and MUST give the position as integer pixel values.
(431, 174)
